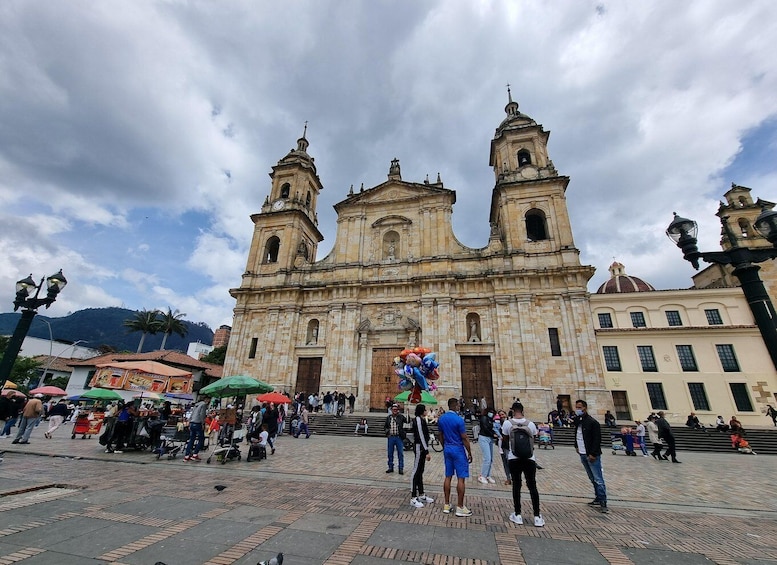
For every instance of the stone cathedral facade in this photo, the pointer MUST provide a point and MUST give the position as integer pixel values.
(509, 319)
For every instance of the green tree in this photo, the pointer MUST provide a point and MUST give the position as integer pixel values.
(172, 323)
(216, 356)
(146, 322)
(24, 370)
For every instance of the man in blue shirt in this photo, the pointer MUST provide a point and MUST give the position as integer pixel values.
(457, 454)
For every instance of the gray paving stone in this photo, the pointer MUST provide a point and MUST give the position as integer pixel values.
(367, 560)
(53, 534)
(56, 558)
(15, 518)
(445, 541)
(301, 543)
(661, 557)
(12, 485)
(220, 531)
(176, 551)
(399, 535)
(544, 551)
(258, 555)
(107, 539)
(100, 497)
(52, 508)
(256, 515)
(465, 543)
(326, 524)
(164, 507)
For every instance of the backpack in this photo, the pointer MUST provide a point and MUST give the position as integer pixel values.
(521, 440)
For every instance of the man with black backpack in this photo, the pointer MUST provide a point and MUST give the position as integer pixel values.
(588, 442)
(520, 433)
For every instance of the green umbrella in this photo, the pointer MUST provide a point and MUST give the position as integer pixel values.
(426, 398)
(101, 394)
(235, 385)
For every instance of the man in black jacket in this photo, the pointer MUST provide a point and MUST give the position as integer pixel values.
(394, 427)
(588, 442)
(665, 433)
(7, 408)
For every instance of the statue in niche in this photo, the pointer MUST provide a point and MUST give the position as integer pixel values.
(313, 337)
(391, 251)
(473, 332)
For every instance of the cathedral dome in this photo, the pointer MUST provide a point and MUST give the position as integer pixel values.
(621, 282)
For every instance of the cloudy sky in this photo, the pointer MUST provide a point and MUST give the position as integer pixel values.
(136, 137)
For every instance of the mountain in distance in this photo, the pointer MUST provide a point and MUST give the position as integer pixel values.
(105, 326)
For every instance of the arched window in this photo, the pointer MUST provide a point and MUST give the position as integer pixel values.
(524, 158)
(536, 228)
(271, 250)
(390, 245)
(311, 337)
(307, 200)
(742, 201)
(473, 328)
(285, 190)
(744, 227)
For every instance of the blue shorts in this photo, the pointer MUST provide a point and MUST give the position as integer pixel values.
(456, 460)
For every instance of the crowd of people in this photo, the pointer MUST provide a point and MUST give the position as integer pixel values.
(329, 402)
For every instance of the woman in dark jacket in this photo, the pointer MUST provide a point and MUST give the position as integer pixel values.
(270, 419)
(486, 438)
(421, 440)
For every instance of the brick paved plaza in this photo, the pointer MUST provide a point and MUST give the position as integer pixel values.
(328, 500)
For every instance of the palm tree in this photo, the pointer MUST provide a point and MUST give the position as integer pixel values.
(145, 321)
(172, 323)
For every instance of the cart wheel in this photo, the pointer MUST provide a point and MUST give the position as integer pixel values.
(73, 436)
(613, 452)
(239, 458)
(207, 461)
(173, 456)
(223, 460)
(248, 459)
(158, 456)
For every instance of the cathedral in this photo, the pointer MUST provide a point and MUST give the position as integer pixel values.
(508, 320)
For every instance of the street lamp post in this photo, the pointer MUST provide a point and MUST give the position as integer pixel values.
(29, 305)
(683, 232)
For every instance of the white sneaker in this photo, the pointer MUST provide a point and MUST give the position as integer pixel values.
(426, 499)
(491, 480)
(482, 479)
(516, 518)
(417, 503)
(539, 521)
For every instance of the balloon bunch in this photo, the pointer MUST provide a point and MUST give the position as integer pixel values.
(417, 371)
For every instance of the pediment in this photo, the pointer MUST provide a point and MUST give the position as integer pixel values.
(394, 191)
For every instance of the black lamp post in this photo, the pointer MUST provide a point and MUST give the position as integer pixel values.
(683, 232)
(29, 305)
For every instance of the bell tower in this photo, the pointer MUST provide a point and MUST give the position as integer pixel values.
(286, 234)
(528, 204)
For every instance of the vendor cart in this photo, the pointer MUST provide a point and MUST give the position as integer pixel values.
(88, 425)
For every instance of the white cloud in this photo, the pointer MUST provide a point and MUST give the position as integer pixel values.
(126, 128)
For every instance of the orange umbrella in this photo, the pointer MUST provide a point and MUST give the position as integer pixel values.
(274, 397)
(49, 391)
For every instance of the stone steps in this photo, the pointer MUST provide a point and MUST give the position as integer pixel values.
(763, 441)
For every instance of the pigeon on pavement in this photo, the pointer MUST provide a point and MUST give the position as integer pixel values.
(277, 560)
(220, 488)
